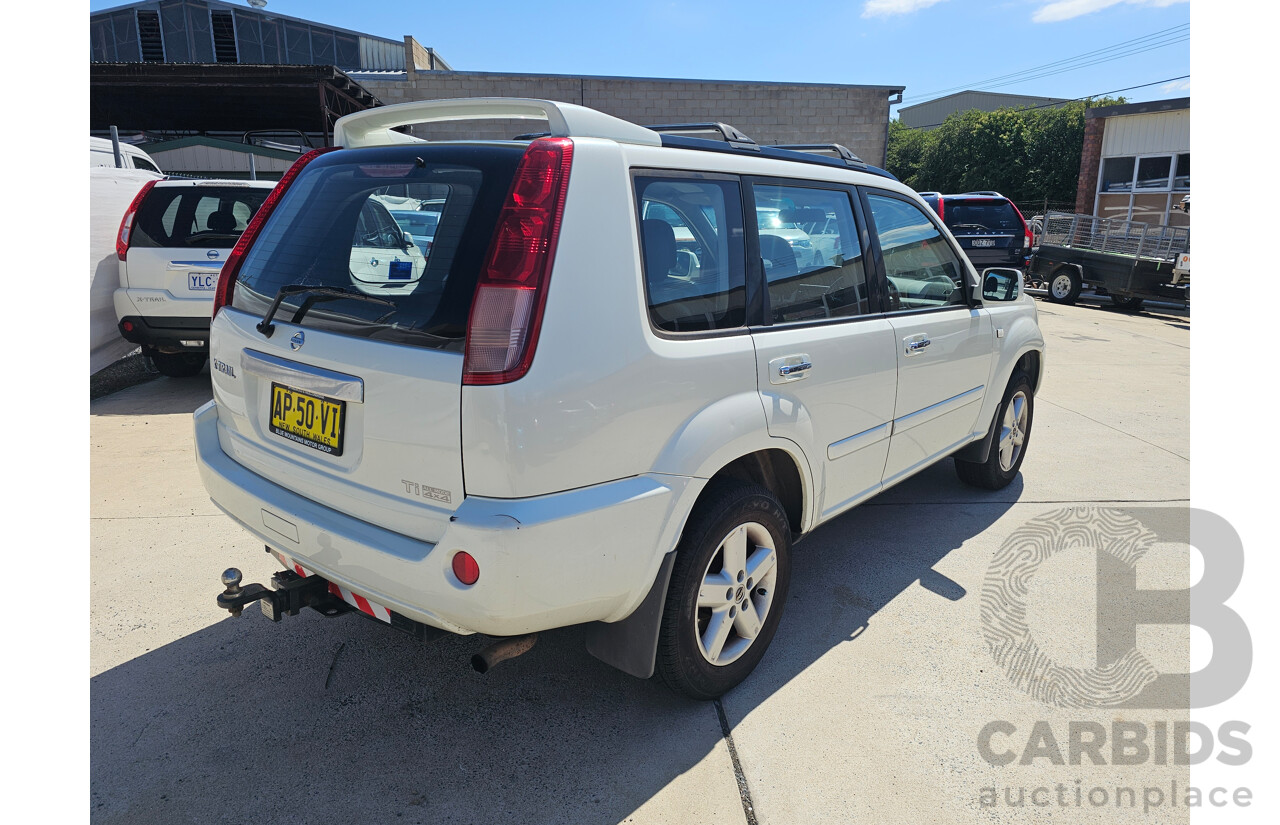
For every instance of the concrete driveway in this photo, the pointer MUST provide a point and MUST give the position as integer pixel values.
(868, 707)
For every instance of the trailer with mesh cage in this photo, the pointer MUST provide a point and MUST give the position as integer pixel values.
(1129, 261)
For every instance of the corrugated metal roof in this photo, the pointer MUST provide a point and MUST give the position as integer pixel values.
(932, 113)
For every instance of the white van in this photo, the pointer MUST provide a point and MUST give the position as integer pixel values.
(100, 154)
(555, 421)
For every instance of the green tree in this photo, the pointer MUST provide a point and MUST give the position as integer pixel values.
(1031, 155)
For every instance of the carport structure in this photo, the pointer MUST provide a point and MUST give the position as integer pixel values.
(205, 98)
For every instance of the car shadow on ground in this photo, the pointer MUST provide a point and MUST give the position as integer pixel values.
(343, 719)
(157, 396)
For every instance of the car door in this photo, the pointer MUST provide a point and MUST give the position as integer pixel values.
(825, 354)
(944, 346)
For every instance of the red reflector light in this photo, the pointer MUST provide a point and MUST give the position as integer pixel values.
(130, 217)
(128, 326)
(506, 313)
(231, 269)
(465, 567)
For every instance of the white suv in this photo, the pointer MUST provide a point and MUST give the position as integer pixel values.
(560, 424)
(172, 243)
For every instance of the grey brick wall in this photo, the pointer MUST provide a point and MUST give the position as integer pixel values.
(855, 116)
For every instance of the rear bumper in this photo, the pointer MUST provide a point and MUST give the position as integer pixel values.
(984, 258)
(583, 555)
(169, 333)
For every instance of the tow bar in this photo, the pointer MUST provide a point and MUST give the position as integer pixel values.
(288, 594)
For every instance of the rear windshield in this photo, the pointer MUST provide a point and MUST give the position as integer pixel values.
(988, 215)
(404, 230)
(209, 217)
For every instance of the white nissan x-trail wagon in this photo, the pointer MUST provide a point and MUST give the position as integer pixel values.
(603, 396)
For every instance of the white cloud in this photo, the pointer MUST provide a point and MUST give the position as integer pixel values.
(888, 8)
(1176, 86)
(1059, 10)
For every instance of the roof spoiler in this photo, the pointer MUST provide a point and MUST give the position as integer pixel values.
(373, 127)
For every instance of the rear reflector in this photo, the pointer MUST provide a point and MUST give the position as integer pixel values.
(506, 315)
(466, 568)
(130, 216)
(231, 269)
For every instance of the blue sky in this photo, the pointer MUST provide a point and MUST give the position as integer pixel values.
(929, 46)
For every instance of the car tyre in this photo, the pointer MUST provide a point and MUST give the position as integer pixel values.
(1127, 304)
(1065, 285)
(728, 588)
(1010, 441)
(178, 364)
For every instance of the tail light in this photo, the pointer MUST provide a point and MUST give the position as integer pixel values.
(942, 209)
(231, 269)
(127, 222)
(1026, 228)
(506, 315)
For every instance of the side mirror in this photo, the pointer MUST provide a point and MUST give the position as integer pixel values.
(999, 285)
(407, 239)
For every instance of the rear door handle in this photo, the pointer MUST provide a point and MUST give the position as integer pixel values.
(789, 368)
(916, 344)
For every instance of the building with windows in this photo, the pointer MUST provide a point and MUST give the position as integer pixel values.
(1136, 162)
(211, 31)
(243, 74)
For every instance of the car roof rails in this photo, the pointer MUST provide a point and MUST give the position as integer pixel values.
(988, 192)
(727, 133)
(930, 192)
(374, 127)
(838, 150)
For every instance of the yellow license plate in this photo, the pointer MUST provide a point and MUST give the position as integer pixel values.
(307, 419)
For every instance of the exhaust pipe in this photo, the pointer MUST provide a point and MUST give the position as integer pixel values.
(502, 650)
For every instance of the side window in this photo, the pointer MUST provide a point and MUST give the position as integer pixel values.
(143, 163)
(691, 241)
(922, 269)
(809, 247)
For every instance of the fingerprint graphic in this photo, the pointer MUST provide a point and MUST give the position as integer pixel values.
(1004, 608)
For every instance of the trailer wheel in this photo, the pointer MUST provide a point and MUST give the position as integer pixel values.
(1127, 304)
(1065, 285)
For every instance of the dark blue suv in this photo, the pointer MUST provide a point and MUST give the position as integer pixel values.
(990, 229)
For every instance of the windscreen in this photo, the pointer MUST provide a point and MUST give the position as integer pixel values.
(401, 231)
(208, 217)
(984, 215)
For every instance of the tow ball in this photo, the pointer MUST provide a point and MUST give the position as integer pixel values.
(288, 594)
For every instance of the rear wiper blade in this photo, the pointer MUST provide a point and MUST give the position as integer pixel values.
(314, 295)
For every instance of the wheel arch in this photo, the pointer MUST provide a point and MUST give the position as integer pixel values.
(631, 644)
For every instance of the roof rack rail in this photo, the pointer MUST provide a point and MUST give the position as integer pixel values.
(727, 133)
(373, 127)
(988, 192)
(839, 150)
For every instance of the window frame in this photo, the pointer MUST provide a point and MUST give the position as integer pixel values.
(967, 269)
(1171, 190)
(755, 268)
(750, 287)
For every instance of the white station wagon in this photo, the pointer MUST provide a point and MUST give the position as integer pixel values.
(580, 415)
(172, 242)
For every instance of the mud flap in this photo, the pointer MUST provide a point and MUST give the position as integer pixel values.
(631, 645)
